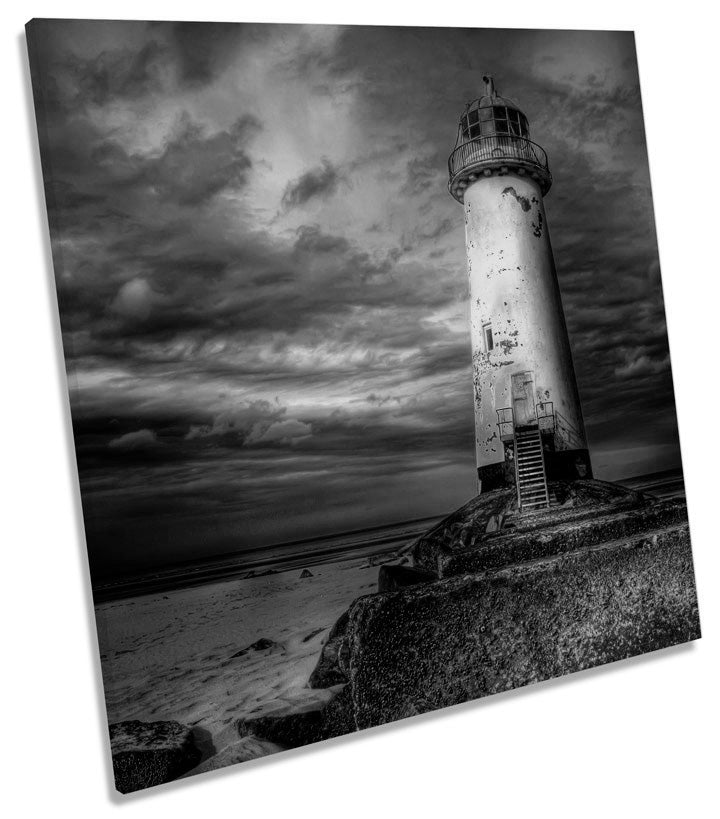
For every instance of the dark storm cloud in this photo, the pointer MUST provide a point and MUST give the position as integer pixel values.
(118, 74)
(204, 50)
(262, 279)
(317, 182)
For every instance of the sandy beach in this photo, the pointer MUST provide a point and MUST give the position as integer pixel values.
(208, 654)
(169, 656)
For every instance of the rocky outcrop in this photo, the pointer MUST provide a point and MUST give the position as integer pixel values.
(460, 638)
(498, 600)
(563, 533)
(263, 644)
(243, 750)
(391, 578)
(329, 670)
(151, 753)
(556, 594)
(493, 514)
(298, 719)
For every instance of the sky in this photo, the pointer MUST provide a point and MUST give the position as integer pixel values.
(262, 280)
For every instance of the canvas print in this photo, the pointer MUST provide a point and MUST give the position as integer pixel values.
(368, 370)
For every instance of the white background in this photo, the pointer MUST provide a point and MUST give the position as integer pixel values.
(639, 738)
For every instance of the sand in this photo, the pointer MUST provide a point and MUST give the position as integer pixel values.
(169, 656)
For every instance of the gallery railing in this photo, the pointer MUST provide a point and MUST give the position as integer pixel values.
(495, 149)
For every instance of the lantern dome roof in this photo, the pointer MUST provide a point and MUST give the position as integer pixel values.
(490, 98)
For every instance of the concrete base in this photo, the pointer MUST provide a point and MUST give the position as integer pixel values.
(496, 476)
(568, 465)
(564, 465)
(498, 600)
(443, 643)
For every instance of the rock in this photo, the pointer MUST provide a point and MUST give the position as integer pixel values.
(253, 573)
(484, 517)
(561, 534)
(429, 646)
(398, 577)
(242, 750)
(337, 715)
(287, 731)
(296, 721)
(328, 671)
(145, 754)
(259, 645)
(305, 573)
(494, 523)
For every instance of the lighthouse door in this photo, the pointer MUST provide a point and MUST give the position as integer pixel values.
(523, 399)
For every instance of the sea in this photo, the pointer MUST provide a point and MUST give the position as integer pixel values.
(373, 543)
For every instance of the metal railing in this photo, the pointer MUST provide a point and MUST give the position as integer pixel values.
(496, 149)
(549, 421)
(545, 416)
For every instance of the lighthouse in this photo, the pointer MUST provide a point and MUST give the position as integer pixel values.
(529, 428)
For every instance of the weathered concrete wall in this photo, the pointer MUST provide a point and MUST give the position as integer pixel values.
(513, 286)
(505, 549)
(476, 524)
(427, 647)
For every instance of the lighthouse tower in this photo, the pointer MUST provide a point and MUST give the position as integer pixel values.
(528, 422)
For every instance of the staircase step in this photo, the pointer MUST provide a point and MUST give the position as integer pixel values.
(530, 471)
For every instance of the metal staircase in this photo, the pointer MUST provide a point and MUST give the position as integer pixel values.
(530, 475)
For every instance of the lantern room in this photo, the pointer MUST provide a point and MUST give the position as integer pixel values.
(492, 115)
(493, 137)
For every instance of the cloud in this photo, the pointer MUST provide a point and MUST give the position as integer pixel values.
(134, 300)
(641, 365)
(195, 167)
(120, 74)
(203, 51)
(235, 357)
(317, 183)
(282, 432)
(244, 419)
(142, 439)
